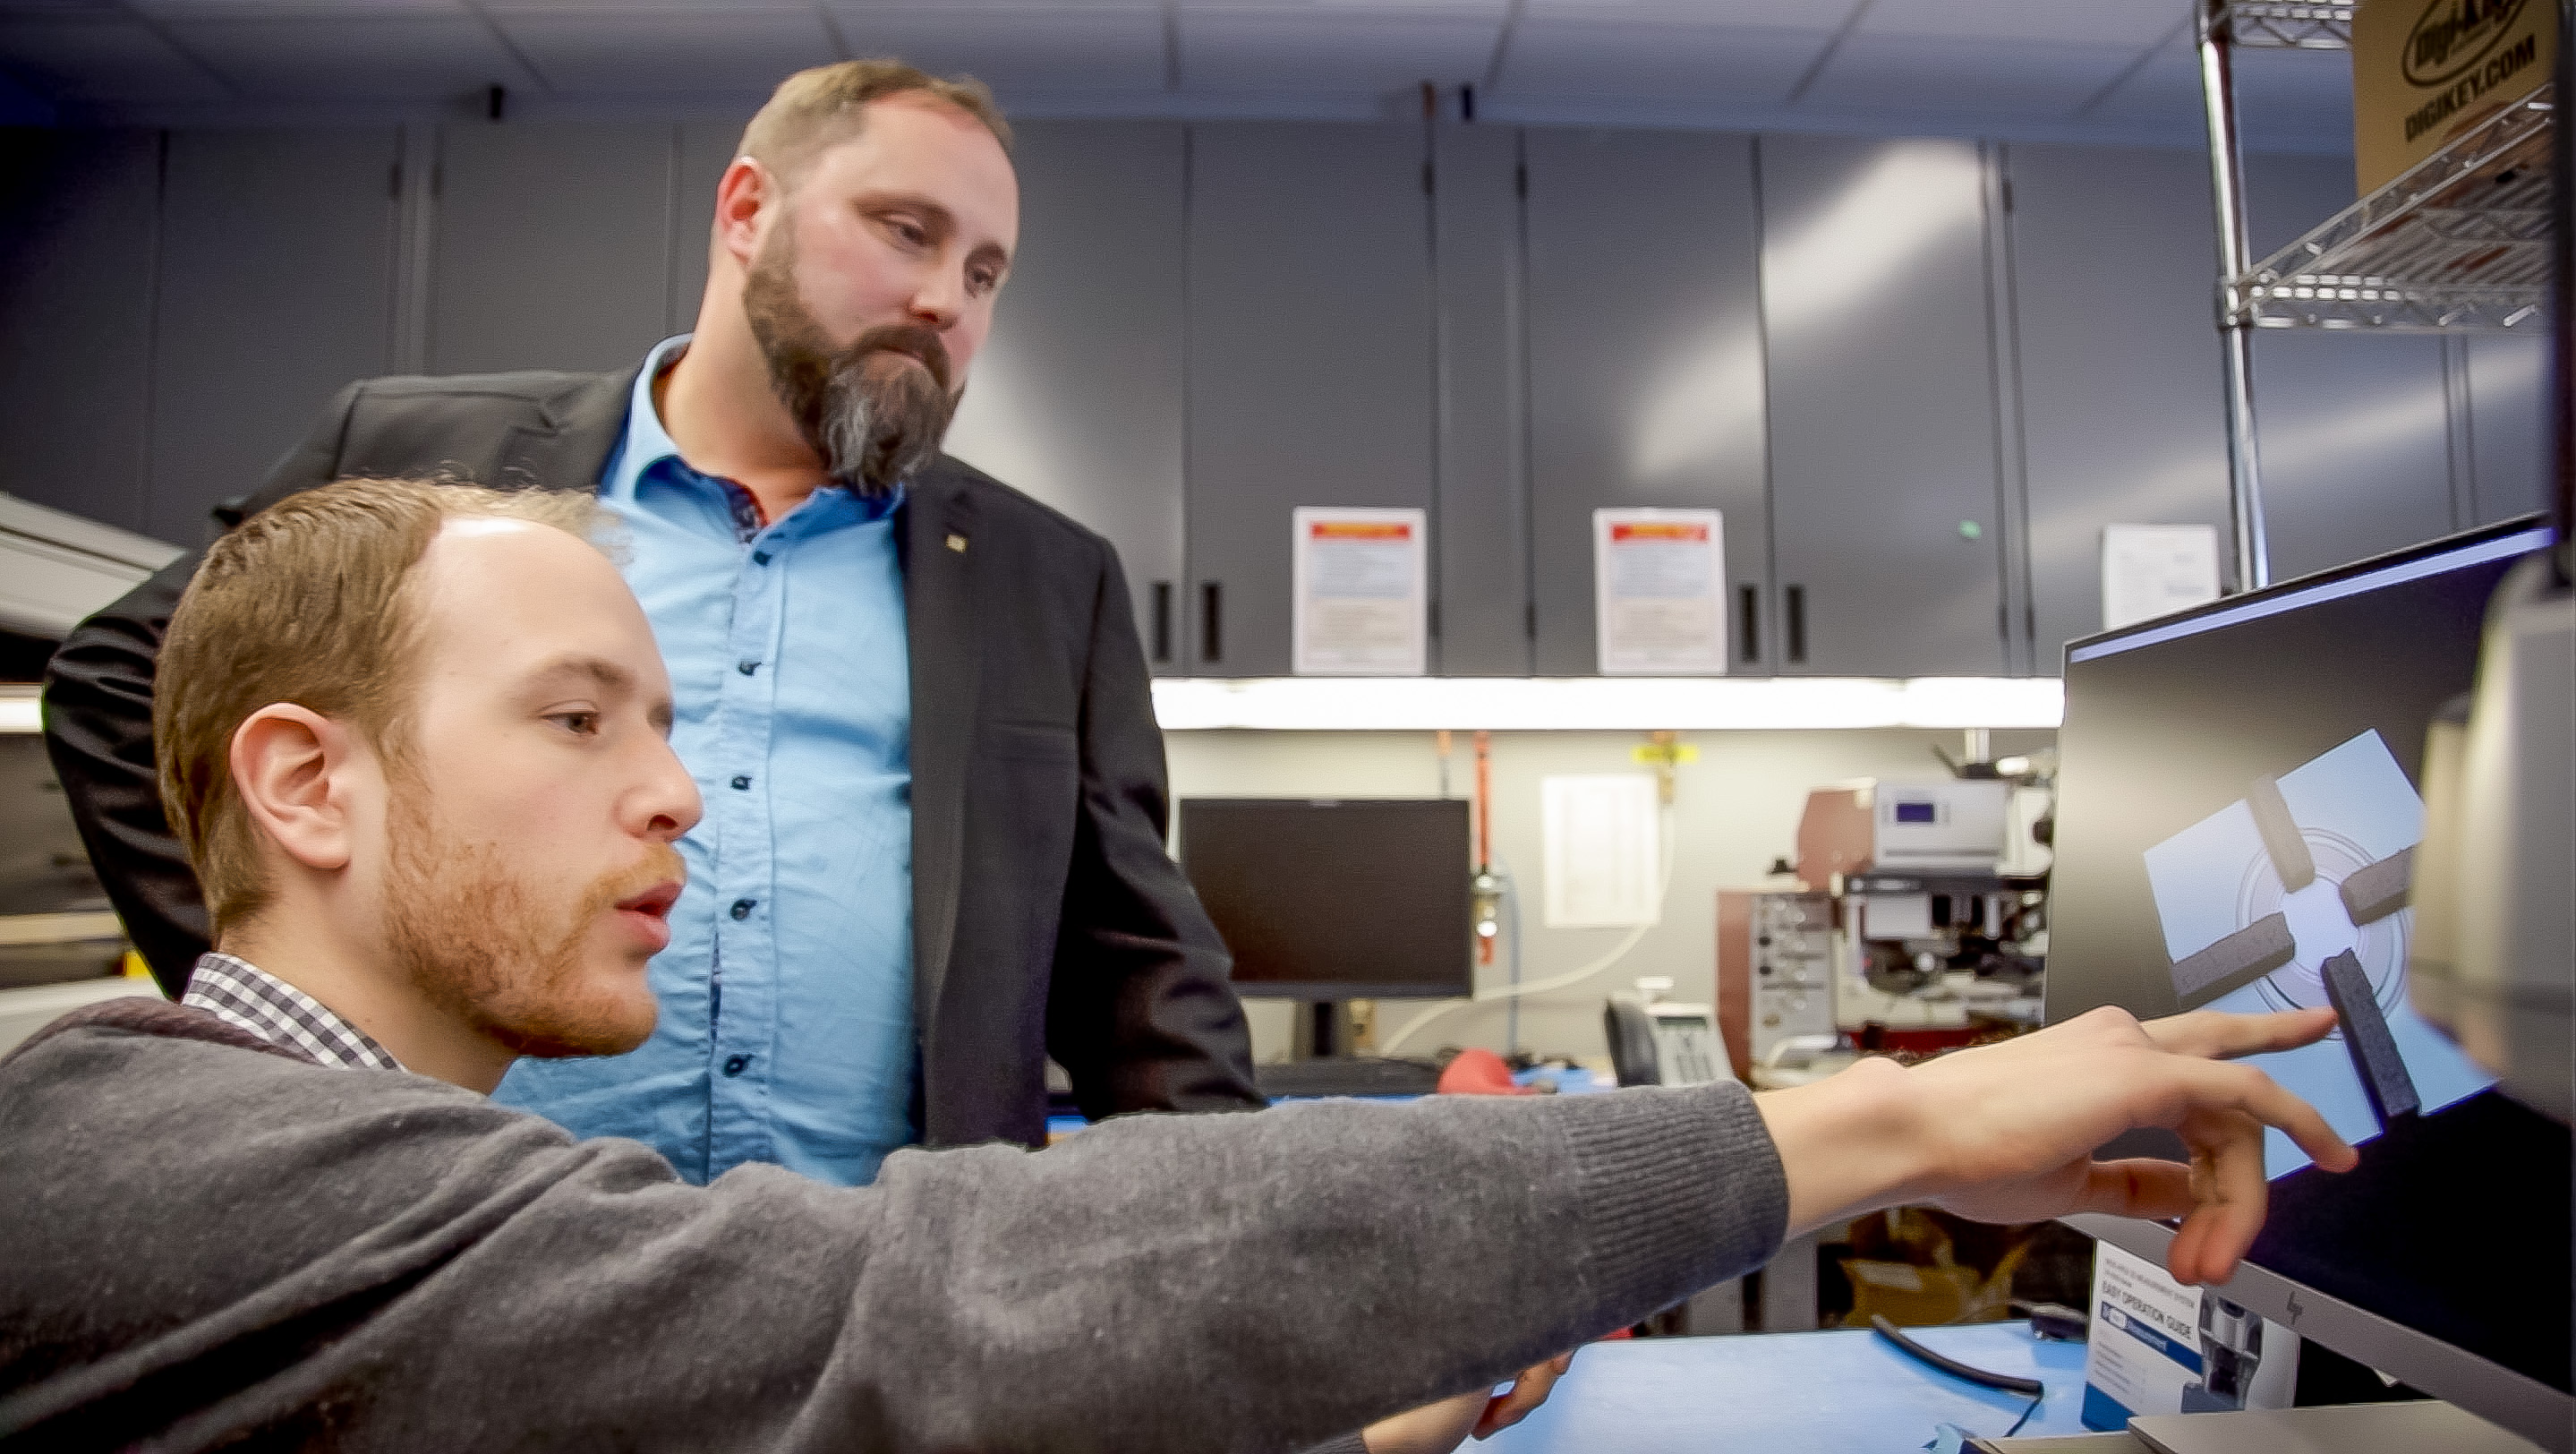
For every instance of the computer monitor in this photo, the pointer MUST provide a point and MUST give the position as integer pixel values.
(1335, 899)
(2238, 798)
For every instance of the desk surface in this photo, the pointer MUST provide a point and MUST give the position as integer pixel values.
(1823, 1392)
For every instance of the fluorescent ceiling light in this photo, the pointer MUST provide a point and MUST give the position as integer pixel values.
(1603, 704)
(18, 710)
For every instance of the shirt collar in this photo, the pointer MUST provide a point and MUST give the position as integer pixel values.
(249, 998)
(647, 443)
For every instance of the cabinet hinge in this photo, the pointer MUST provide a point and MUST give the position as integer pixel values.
(1520, 179)
(1426, 179)
(393, 183)
(1529, 619)
(1431, 622)
(2008, 202)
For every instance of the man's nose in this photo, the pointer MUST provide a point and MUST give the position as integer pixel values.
(666, 804)
(940, 298)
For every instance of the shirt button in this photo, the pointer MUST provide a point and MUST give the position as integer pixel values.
(746, 666)
(760, 557)
(734, 1064)
(742, 908)
(741, 782)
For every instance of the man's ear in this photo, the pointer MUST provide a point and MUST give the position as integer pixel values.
(289, 765)
(744, 191)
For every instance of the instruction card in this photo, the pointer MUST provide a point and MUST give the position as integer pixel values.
(2158, 1347)
(2156, 570)
(1361, 592)
(1603, 851)
(1659, 584)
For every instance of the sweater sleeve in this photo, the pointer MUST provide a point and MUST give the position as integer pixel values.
(459, 1275)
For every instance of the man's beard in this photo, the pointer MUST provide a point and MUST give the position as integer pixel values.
(470, 935)
(872, 416)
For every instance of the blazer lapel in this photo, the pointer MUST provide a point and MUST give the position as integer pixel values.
(570, 448)
(938, 539)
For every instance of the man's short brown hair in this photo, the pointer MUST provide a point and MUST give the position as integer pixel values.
(309, 602)
(815, 109)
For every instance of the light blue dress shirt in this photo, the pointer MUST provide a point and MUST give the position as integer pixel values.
(786, 1032)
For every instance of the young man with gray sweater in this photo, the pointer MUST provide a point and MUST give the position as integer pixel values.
(414, 738)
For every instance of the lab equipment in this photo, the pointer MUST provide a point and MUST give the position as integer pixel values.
(2443, 1259)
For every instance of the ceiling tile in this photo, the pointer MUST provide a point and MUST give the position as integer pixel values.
(1922, 76)
(668, 53)
(1822, 17)
(1658, 63)
(1062, 50)
(1319, 54)
(294, 9)
(392, 58)
(2016, 22)
(100, 60)
(2286, 100)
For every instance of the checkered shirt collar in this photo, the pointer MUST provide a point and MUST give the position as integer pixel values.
(242, 995)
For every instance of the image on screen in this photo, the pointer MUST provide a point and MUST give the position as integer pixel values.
(2240, 799)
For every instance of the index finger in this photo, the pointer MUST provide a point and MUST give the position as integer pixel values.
(2216, 1035)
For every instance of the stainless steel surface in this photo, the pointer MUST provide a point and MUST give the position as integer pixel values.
(553, 245)
(2125, 434)
(1792, 992)
(1646, 363)
(1309, 354)
(2524, 1405)
(1076, 397)
(1884, 468)
(1480, 525)
(2459, 242)
(271, 235)
(2226, 171)
(2508, 384)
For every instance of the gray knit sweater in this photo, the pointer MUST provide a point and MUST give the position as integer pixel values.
(209, 1240)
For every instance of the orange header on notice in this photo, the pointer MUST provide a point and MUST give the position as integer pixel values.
(1360, 530)
(1656, 530)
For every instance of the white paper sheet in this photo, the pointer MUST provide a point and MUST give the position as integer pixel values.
(1603, 851)
(1361, 592)
(1659, 592)
(2155, 570)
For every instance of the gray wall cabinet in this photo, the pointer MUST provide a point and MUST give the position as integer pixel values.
(1885, 488)
(553, 246)
(277, 287)
(1850, 347)
(79, 215)
(1480, 525)
(1076, 396)
(1309, 370)
(2123, 414)
(1646, 365)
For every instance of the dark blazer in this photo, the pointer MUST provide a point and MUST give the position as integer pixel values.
(1047, 918)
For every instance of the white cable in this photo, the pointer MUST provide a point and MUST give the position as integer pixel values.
(1663, 895)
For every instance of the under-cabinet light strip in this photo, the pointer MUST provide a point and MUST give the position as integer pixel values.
(1603, 704)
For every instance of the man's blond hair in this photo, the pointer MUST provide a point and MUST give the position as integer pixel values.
(820, 108)
(309, 601)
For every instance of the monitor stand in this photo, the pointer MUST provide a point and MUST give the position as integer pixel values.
(2383, 1428)
(1324, 1031)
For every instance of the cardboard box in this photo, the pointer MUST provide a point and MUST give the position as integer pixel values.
(2158, 1347)
(2423, 71)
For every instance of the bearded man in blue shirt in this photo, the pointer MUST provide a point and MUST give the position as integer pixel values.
(912, 698)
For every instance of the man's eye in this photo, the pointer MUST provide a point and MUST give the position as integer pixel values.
(580, 724)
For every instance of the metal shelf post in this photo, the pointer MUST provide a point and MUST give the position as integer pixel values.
(2236, 334)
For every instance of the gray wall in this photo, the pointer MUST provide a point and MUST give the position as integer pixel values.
(1918, 376)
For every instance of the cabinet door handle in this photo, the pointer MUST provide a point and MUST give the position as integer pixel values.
(1162, 620)
(1796, 612)
(1749, 600)
(1211, 621)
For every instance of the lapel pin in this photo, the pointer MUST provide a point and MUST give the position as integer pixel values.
(957, 543)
